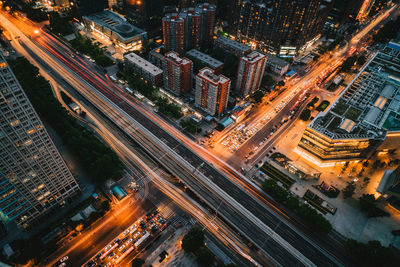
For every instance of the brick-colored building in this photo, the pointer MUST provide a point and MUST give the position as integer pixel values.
(177, 73)
(250, 72)
(212, 91)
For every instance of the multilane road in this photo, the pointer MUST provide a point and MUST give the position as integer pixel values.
(202, 177)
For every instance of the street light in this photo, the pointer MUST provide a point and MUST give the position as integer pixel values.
(36, 31)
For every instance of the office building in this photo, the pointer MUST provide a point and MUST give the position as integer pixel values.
(250, 72)
(205, 60)
(177, 73)
(281, 27)
(188, 29)
(212, 91)
(364, 118)
(232, 47)
(143, 68)
(115, 28)
(276, 65)
(34, 178)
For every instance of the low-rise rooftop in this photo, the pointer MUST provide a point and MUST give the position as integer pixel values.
(142, 63)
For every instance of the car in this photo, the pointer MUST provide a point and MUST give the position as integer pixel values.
(126, 232)
(108, 247)
(129, 241)
(117, 240)
(121, 247)
(124, 239)
(62, 264)
(64, 258)
(98, 255)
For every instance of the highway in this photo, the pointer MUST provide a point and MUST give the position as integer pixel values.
(176, 153)
(283, 244)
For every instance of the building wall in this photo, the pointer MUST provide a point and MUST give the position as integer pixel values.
(174, 33)
(280, 26)
(249, 75)
(35, 178)
(177, 76)
(211, 95)
(327, 149)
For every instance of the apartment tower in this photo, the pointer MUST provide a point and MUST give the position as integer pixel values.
(33, 176)
(177, 73)
(212, 91)
(250, 72)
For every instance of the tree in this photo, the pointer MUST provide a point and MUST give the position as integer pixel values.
(193, 240)
(59, 25)
(361, 60)
(305, 115)
(205, 257)
(368, 204)
(372, 254)
(267, 81)
(137, 262)
(348, 191)
(348, 63)
(258, 96)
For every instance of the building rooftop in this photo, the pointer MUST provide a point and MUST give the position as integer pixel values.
(175, 58)
(209, 74)
(254, 57)
(210, 61)
(233, 44)
(144, 64)
(115, 23)
(276, 60)
(370, 105)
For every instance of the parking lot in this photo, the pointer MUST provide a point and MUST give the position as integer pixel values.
(131, 240)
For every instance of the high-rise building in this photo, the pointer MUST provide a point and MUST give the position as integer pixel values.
(189, 29)
(250, 72)
(34, 178)
(207, 12)
(174, 33)
(282, 27)
(212, 91)
(344, 10)
(177, 73)
(193, 27)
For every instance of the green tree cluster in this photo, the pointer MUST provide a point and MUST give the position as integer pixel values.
(193, 242)
(258, 96)
(190, 126)
(145, 88)
(85, 46)
(305, 115)
(348, 191)
(59, 25)
(388, 31)
(99, 161)
(267, 81)
(169, 109)
(310, 215)
(368, 204)
(230, 61)
(372, 254)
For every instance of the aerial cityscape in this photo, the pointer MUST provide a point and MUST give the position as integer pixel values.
(200, 133)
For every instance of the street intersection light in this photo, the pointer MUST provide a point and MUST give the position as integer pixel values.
(36, 31)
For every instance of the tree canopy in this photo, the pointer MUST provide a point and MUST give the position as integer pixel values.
(193, 240)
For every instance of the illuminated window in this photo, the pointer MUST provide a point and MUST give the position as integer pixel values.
(14, 123)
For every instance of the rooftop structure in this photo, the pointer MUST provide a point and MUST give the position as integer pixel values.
(277, 65)
(366, 112)
(144, 68)
(115, 28)
(205, 59)
(232, 46)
